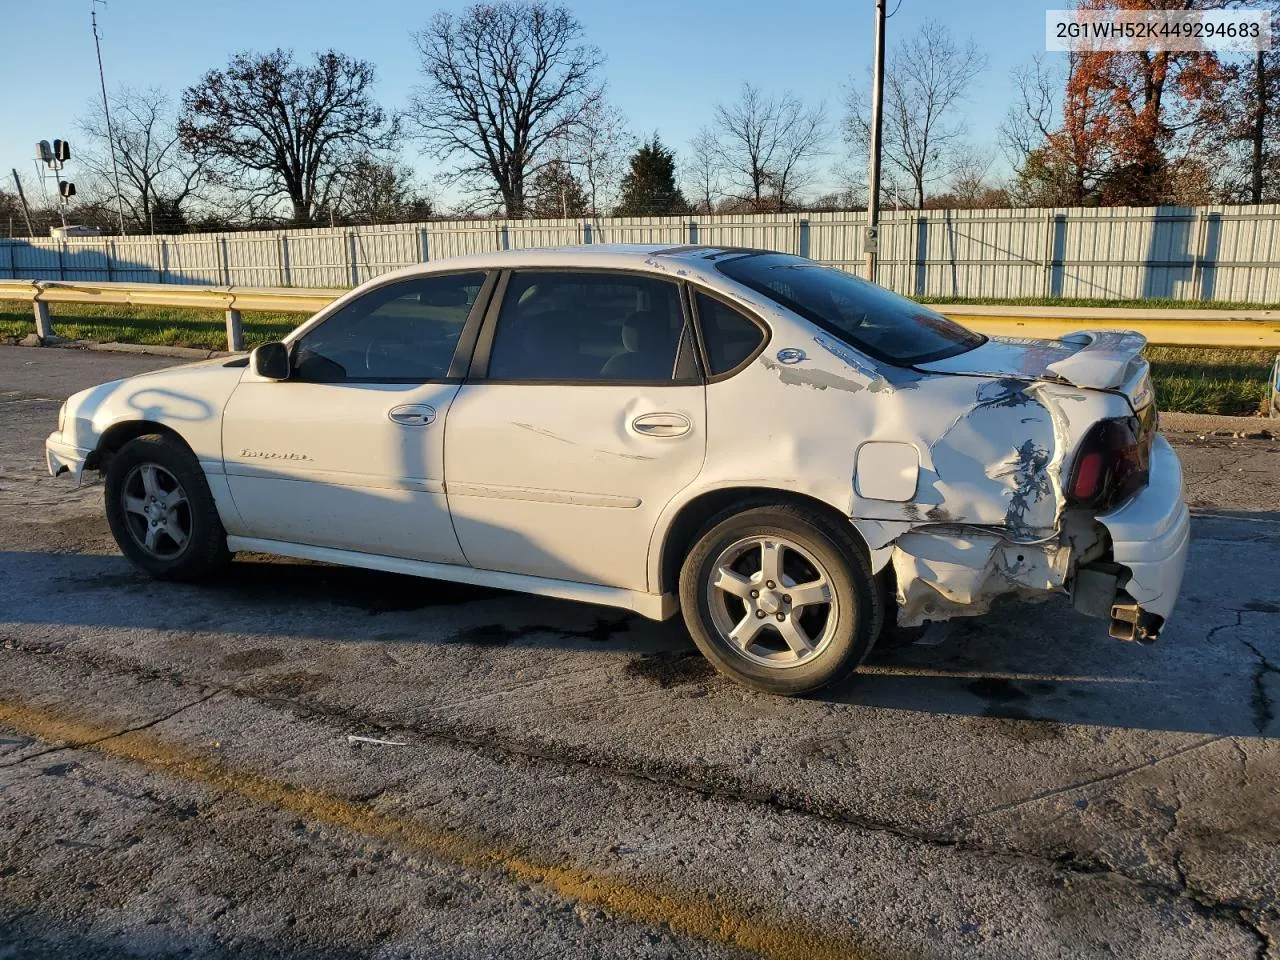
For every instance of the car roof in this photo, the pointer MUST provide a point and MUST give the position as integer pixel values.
(646, 257)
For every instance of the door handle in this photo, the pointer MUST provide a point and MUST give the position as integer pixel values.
(412, 415)
(662, 425)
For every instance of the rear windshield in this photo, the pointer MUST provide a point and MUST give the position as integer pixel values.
(863, 315)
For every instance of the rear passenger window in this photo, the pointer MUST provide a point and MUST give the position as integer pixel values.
(728, 336)
(587, 327)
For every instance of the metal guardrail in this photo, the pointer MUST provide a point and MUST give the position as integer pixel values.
(231, 300)
(1192, 328)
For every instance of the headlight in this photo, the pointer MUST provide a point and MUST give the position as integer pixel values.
(62, 417)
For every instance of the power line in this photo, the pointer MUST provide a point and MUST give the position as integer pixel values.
(106, 110)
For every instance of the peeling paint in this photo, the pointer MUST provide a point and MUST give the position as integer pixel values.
(815, 379)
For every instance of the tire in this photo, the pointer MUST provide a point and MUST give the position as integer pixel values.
(156, 478)
(839, 631)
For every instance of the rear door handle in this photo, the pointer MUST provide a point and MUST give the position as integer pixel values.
(662, 425)
(413, 415)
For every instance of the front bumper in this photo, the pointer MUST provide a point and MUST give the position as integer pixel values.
(62, 457)
(1151, 533)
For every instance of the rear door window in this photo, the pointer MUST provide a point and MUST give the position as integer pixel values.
(588, 328)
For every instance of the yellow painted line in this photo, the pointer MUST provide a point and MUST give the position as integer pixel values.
(647, 901)
(1172, 333)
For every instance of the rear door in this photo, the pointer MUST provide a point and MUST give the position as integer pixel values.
(349, 451)
(583, 416)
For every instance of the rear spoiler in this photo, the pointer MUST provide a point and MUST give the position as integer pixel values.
(1104, 361)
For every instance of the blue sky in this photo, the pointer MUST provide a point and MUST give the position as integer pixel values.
(668, 61)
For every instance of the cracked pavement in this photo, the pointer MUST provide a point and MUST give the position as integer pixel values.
(176, 778)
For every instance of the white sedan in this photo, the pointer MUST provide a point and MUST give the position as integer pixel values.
(785, 453)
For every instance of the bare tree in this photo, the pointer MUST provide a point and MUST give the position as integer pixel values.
(703, 171)
(595, 146)
(376, 190)
(157, 177)
(278, 130)
(504, 82)
(1057, 149)
(926, 79)
(765, 145)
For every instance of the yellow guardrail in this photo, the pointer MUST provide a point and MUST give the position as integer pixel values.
(1190, 328)
(281, 299)
(1258, 330)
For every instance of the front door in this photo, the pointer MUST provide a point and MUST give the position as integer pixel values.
(584, 417)
(349, 451)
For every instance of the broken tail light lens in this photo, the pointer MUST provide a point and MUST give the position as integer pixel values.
(1112, 464)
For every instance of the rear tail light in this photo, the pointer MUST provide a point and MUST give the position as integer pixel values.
(1112, 464)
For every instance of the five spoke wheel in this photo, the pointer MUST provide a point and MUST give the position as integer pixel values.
(772, 600)
(156, 510)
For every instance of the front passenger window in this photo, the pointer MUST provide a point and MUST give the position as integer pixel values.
(588, 327)
(404, 332)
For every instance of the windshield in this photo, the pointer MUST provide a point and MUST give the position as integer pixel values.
(863, 315)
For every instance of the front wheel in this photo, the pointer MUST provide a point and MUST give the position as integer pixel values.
(161, 512)
(779, 599)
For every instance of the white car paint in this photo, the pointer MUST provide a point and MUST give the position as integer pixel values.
(952, 472)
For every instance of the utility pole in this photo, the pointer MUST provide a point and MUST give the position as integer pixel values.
(106, 110)
(871, 240)
(26, 211)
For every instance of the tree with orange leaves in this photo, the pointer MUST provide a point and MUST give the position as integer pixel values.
(1133, 126)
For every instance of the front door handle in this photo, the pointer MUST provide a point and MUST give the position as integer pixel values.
(662, 425)
(413, 415)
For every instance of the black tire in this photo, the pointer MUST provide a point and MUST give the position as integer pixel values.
(832, 549)
(203, 552)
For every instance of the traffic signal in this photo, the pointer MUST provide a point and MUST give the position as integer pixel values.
(44, 152)
(66, 188)
(62, 150)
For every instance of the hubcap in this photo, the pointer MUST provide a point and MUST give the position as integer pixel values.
(772, 601)
(156, 510)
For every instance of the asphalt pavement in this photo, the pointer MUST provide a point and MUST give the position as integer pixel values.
(537, 778)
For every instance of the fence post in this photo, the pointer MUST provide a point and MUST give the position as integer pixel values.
(351, 256)
(162, 259)
(44, 326)
(286, 275)
(235, 330)
(106, 256)
(226, 263)
(423, 245)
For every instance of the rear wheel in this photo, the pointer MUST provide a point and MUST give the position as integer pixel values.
(779, 599)
(161, 512)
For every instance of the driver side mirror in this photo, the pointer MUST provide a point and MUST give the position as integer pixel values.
(271, 360)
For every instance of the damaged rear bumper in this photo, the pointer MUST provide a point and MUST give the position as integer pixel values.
(1150, 537)
(1131, 574)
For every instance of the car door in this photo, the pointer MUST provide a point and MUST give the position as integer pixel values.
(583, 416)
(348, 452)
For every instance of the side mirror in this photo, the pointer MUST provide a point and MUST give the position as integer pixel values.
(271, 360)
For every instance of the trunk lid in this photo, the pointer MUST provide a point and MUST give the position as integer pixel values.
(1090, 359)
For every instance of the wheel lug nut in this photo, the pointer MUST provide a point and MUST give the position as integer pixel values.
(782, 616)
(759, 614)
(754, 594)
(786, 598)
(769, 584)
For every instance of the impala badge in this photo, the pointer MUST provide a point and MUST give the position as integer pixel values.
(248, 454)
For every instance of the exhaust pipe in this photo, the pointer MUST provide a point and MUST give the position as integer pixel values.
(1130, 622)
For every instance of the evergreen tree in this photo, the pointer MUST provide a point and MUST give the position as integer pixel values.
(649, 188)
(555, 192)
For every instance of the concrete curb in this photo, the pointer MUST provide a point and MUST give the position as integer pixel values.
(1253, 428)
(180, 353)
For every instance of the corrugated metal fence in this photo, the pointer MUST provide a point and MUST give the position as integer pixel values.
(1185, 253)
